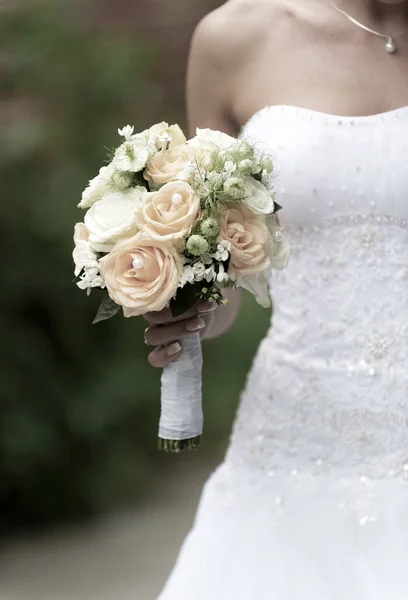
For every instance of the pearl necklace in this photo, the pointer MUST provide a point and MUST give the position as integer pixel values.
(390, 46)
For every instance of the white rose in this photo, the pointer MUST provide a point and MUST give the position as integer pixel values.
(113, 217)
(259, 198)
(98, 187)
(280, 247)
(258, 285)
(207, 139)
(134, 153)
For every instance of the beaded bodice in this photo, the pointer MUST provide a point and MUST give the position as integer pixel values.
(329, 386)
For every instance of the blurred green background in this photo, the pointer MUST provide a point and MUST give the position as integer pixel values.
(79, 403)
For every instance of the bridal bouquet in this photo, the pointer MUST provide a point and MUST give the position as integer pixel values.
(170, 222)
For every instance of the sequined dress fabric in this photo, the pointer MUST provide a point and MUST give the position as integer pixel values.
(311, 501)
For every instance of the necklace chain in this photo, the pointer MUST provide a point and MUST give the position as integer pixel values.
(390, 45)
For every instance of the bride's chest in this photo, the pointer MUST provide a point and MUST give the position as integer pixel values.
(326, 166)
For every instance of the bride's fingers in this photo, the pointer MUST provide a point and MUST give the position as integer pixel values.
(162, 356)
(165, 316)
(159, 334)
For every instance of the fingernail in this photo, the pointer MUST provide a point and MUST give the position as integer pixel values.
(196, 324)
(206, 308)
(173, 349)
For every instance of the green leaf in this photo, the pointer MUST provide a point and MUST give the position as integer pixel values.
(138, 179)
(185, 299)
(107, 309)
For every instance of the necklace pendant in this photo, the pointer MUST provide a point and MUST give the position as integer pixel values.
(391, 46)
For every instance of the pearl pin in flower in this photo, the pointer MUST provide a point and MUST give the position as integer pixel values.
(177, 198)
(137, 263)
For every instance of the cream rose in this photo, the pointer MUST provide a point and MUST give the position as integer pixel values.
(249, 238)
(209, 140)
(258, 197)
(170, 165)
(177, 137)
(113, 217)
(169, 214)
(141, 274)
(98, 187)
(163, 133)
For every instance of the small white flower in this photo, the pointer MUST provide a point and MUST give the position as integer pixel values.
(133, 154)
(223, 250)
(210, 274)
(221, 275)
(163, 140)
(230, 167)
(187, 173)
(84, 257)
(215, 179)
(199, 271)
(91, 278)
(126, 132)
(187, 276)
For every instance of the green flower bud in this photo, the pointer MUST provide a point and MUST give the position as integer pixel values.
(234, 187)
(197, 245)
(267, 164)
(122, 179)
(209, 228)
(245, 165)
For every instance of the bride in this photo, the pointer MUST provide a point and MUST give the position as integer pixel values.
(311, 501)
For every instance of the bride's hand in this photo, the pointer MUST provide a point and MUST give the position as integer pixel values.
(164, 332)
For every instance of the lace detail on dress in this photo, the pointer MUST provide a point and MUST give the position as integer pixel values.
(328, 388)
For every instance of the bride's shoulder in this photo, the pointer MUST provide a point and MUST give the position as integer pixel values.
(237, 25)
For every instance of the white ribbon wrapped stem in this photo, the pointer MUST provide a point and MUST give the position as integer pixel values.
(181, 394)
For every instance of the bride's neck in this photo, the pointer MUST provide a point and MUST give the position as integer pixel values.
(384, 13)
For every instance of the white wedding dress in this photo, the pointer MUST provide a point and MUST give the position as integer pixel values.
(311, 502)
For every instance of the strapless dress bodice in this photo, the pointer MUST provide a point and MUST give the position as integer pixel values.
(330, 382)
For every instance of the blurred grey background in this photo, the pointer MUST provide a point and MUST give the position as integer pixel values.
(88, 507)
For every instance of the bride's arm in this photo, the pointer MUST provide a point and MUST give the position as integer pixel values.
(209, 94)
(208, 105)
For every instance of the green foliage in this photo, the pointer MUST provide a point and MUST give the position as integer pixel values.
(107, 309)
(79, 404)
